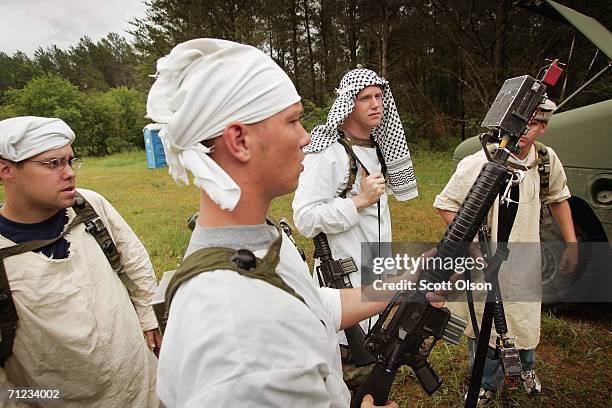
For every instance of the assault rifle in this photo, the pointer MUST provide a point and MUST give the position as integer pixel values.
(335, 274)
(410, 334)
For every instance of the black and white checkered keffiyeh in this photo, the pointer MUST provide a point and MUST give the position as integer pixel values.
(389, 134)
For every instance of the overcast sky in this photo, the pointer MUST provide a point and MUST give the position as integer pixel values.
(26, 25)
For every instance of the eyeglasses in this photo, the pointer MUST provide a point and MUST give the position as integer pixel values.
(537, 122)
(58, 164)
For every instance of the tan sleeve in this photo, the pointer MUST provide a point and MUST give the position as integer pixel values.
(457, 188)
(557, 190)
(134, 258)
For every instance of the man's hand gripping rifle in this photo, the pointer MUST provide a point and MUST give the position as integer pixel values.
(410, 334)
(335, 274)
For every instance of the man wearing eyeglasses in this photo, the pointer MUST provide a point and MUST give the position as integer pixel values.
(79, 331)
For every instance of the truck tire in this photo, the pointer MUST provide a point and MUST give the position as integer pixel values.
(558, 291)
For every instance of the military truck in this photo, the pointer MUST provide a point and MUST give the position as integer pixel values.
(582, 138)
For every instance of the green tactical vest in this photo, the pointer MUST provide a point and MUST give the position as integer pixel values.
(543, 164)
(211, 259)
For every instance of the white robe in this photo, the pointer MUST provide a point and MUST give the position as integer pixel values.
(520, 276)
(78, 329)
(317, 207)
(233, 341)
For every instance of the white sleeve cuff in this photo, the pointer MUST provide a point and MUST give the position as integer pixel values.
(331, 300)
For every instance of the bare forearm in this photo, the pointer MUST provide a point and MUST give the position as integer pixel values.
(562, 214)
(447, 216)
(354, 309)
(361, 303)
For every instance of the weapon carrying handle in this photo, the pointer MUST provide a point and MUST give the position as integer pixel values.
(322, 249)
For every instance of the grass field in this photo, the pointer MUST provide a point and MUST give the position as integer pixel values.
(157, 209)
(573, 360)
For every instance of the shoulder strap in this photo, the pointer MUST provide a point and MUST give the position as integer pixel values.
(240, 261)
(95, 226)
(8, 313)
(543, 168)
(353, 160)
(352, 155)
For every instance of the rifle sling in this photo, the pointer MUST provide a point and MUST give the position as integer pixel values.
(470, 301)
(95, 226)
(481, 354)
(353, 161)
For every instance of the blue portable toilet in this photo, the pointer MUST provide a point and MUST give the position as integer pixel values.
(153, 146)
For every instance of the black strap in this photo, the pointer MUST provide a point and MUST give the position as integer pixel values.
(543, 162)
(95, 226)
(483, 239)
(470, 300)
(492, 272)
(8, 313)
(481, 354)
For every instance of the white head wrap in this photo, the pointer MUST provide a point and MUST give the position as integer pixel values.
(27, 136)
(389, 135)
(202, 86)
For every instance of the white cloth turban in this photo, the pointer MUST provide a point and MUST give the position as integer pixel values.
(27, 136)
(202, 86)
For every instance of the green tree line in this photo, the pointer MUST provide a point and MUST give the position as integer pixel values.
(96, 87)
(445, 60)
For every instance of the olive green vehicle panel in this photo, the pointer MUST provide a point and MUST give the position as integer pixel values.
(585, 184)
(582, 137)
(588, 26)
(467, 147)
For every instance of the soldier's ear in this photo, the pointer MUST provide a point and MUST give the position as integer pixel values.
(235, 141)
(6, 169)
